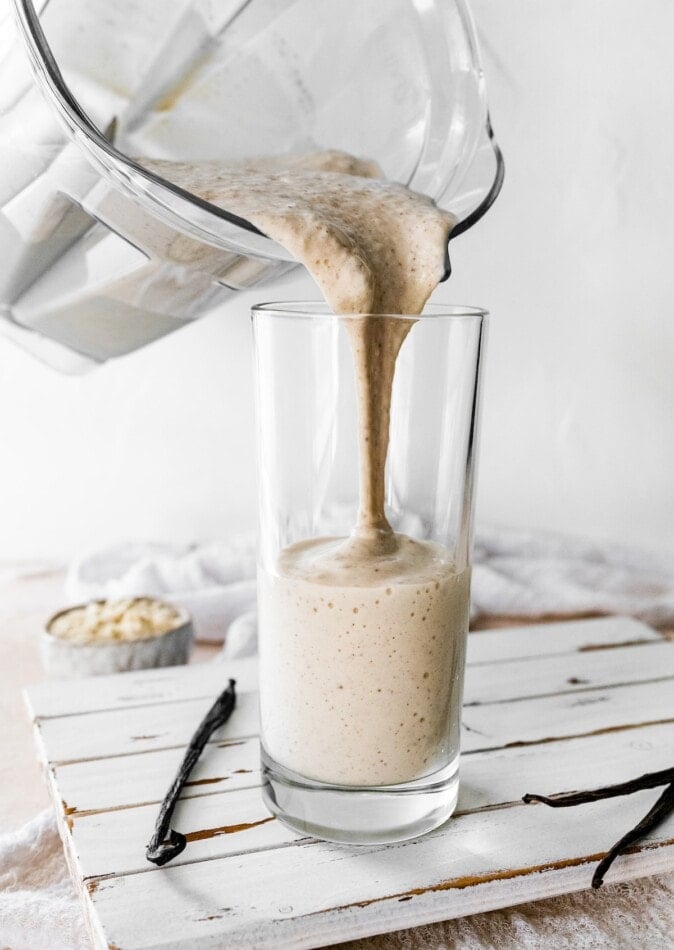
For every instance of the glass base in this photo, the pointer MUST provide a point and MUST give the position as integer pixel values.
(350, 814)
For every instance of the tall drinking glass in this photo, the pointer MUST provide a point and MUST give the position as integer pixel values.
(362, 655)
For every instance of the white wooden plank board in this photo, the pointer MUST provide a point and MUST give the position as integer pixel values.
(100, 785)
(174, 684)
(128, 732)
(132, 731)
(171, 684)
(215, 826)
(513, 679)
(567, 715)
(492, 778)
(246, 881)
(300, 894)
(234, 822)
(548, 639)
(116, 732)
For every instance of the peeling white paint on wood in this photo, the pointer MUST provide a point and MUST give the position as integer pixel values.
(567, 715)
(172, 684)
(549, 639)
(100, 784)
(277, 896)
(130, 731)
(574, 672)
(231, 822)
(245, 880)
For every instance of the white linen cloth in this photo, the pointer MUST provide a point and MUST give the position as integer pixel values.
(516, 573)
(527, 574)
(39, 909)
(214, 582)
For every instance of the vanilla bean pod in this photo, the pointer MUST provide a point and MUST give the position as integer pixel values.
(652, 819)
(166, 843)
(566, 799)
(660, 810)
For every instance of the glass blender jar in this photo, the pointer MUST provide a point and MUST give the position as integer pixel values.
(101, 256)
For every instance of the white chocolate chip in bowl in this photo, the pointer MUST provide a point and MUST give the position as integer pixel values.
(114, 636)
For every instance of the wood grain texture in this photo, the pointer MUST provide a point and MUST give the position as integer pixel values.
(234, 822)
(141, 688)
(175, 684)
(128, 732)
(317, 893)
(568, 673)
(570, 706)
(100, 784)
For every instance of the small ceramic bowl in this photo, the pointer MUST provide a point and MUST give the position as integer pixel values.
(63, 657)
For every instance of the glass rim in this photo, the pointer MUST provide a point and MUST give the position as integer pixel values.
(306, 309)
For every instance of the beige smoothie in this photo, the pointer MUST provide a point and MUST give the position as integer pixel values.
(361, 638)
(362, 662)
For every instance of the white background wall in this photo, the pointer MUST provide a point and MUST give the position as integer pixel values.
(574, 261)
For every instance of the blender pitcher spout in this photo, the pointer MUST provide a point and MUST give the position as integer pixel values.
(102, 256)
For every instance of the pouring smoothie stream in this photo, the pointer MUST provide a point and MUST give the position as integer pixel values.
(362, 655)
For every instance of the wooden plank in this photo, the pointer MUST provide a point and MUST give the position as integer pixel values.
(236, 822)
(176, 684)
(106, 783)
(130, 731)
(515, 679)
(236, 885)
(171, 684)
(253, 899)
(102, 784)
(548, 639)
(126, 732)
(215, 826)
(491, 778)
(568, 715)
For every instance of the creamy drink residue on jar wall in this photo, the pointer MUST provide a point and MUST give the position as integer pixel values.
(362, 637)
